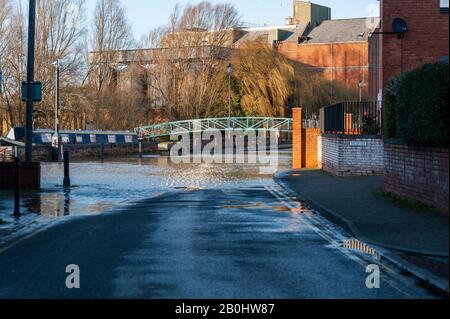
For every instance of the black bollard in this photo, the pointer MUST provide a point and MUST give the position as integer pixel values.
(102, 151)
(17, 186)
(140, 149)
(66, 170)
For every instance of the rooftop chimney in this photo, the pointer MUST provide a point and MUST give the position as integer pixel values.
(308, 13)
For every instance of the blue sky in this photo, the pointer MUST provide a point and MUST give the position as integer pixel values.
(145, 15)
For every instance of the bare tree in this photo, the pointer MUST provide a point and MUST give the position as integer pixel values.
(4, 17)
(179, 72)
(60, 29)
(110, 34)
(191, 59)
(12, 60)
(5, 9)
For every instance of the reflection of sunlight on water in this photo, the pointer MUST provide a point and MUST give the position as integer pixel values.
(100, 187)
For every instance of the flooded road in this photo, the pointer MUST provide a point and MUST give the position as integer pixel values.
(103, 186)
(155, 230)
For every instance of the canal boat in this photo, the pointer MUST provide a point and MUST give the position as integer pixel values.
(16, 137)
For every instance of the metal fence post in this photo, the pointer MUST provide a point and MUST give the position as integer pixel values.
(66, 181)
(17, 186)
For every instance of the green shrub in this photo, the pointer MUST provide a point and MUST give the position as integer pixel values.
(416, 108)
(389, 109)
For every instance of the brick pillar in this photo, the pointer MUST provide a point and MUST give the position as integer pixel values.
(297, 138)
(348, 123)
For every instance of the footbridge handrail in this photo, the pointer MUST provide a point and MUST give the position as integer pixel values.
(225, 123)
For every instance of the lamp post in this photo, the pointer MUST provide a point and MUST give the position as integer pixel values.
(230, 72)
(57, 136)
(361, 85)
(30, 82)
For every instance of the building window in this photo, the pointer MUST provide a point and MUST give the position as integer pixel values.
(112, 139)
(444, 6)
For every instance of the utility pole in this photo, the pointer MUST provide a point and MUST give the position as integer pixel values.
(30, 82)
(361, 86)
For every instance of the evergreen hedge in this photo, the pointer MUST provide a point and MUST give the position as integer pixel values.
(416, 107)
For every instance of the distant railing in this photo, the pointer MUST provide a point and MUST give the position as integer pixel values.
(351, 118)
(311, 122)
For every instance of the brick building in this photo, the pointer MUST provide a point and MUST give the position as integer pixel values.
(426, 40)
(338, 50)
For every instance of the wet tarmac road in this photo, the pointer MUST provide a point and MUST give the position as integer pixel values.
(237, 242)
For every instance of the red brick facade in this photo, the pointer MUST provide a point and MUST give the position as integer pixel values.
(310, 142)
(417, 174)
(345, 63)
(427, 40)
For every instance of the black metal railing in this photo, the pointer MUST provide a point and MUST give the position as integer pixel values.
(351, 118)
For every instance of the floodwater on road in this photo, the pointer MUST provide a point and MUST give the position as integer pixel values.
(180, 231)
(103, 186)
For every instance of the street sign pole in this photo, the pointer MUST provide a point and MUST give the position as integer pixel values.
(57, 137)
(30, 82)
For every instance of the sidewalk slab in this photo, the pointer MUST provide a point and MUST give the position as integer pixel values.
(353, 203)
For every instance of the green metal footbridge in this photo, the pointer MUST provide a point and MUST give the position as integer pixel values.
(222, 124)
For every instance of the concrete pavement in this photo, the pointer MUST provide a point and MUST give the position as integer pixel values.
(229, 243)
(379, 220)
(417, 237)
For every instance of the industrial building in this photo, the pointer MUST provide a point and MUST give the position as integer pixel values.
(337, 50)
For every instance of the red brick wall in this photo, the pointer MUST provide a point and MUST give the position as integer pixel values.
(346, 63)
(310, 138)
(417, 174)
(375, 70)
(427, 40)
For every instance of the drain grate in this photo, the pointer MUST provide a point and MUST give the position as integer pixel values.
(355, 244)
